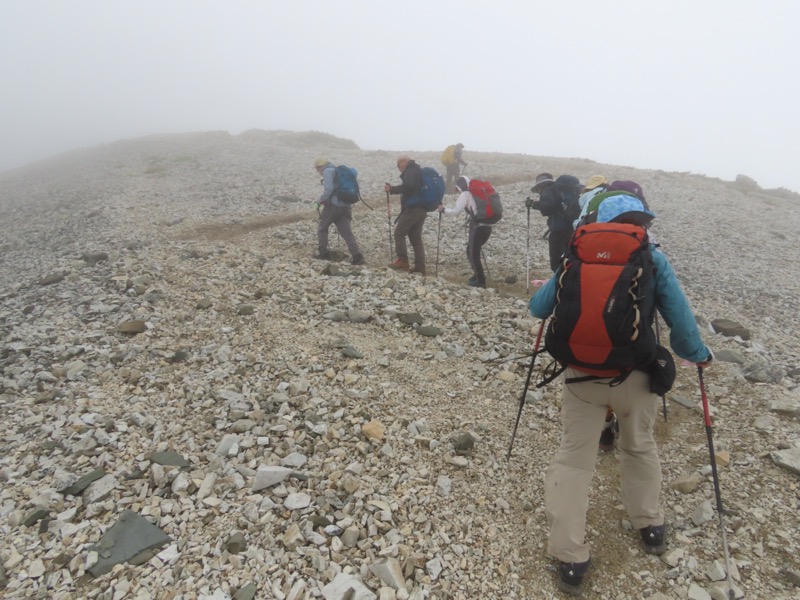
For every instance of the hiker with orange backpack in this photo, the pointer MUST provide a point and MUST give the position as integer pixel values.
(610, 274)
(483, 211)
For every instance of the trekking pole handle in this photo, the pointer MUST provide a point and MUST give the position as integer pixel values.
(704, 397)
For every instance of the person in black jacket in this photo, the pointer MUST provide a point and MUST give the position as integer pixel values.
(555, 200)
(412, 216)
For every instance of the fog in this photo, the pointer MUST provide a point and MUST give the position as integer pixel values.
(708, 87)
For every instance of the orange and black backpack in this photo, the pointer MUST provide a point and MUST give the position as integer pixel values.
(602, 323)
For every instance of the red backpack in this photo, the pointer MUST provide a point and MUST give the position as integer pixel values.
(487, 202)
(605, 302)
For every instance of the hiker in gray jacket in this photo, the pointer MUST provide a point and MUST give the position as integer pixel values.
(334, 212)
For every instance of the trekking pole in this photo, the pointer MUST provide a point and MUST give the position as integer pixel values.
(528, 256)
(658, 342)
(438, 238)
(715, 477)
(525, 389)
(389, 217)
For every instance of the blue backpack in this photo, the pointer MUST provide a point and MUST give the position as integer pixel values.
(347, 184)
(432, 192)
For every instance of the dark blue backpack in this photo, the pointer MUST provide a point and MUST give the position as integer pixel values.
(347, 185)
(432, 192)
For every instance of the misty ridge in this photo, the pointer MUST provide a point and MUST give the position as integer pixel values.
(299, 428)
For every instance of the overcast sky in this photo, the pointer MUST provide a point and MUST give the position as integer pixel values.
(706, 86)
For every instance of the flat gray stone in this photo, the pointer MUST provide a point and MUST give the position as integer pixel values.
(34, 515)
(730, 356)
(133, 327)
(268, 476)
(97, 490)
(82, 483)
(351, 352)
(92, 258)
(51, 278)
(463, 444)
(169, 458)
(236, 543)
(347, 587)
(389, 571)
(295, 459)
(131, 536)
(685, 402)
(429, 330)
(246, 592)
(730, 328)
(786, 406)
(703, 513)
(687, 483)
(246, 309)
(359, 316)
(227, 444)
(410, 318)
(297, 501)
(788, 459)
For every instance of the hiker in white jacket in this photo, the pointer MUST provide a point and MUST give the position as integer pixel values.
(478, 232)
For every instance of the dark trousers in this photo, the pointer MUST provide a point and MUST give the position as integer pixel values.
(409, 223)
(453, 172)
(558, 241)
(478, 236)
(341, 216)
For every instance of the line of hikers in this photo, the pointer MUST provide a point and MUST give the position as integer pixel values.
(610, 282)
(421, 191)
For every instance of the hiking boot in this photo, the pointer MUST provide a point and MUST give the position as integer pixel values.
(399, 264)
(609, 434)
(571, 575)
(358, 259)
(323, 255)
(416, 269)
(654, 538)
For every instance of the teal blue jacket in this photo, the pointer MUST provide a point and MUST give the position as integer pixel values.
(671, 302)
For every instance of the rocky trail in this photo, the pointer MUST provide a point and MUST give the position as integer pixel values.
(192, 407)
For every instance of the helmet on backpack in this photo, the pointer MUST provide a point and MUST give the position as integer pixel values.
(569, 183)
(462, 184)
(631, 187)
(624, 208)
(594, 182)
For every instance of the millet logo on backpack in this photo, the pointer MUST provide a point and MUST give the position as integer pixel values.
(606, 255)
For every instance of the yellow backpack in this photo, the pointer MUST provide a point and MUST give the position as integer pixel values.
(449, 156)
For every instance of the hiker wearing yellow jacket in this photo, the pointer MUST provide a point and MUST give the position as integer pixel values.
(451, 159)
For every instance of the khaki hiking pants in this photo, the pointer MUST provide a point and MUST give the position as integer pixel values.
(583, 413)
